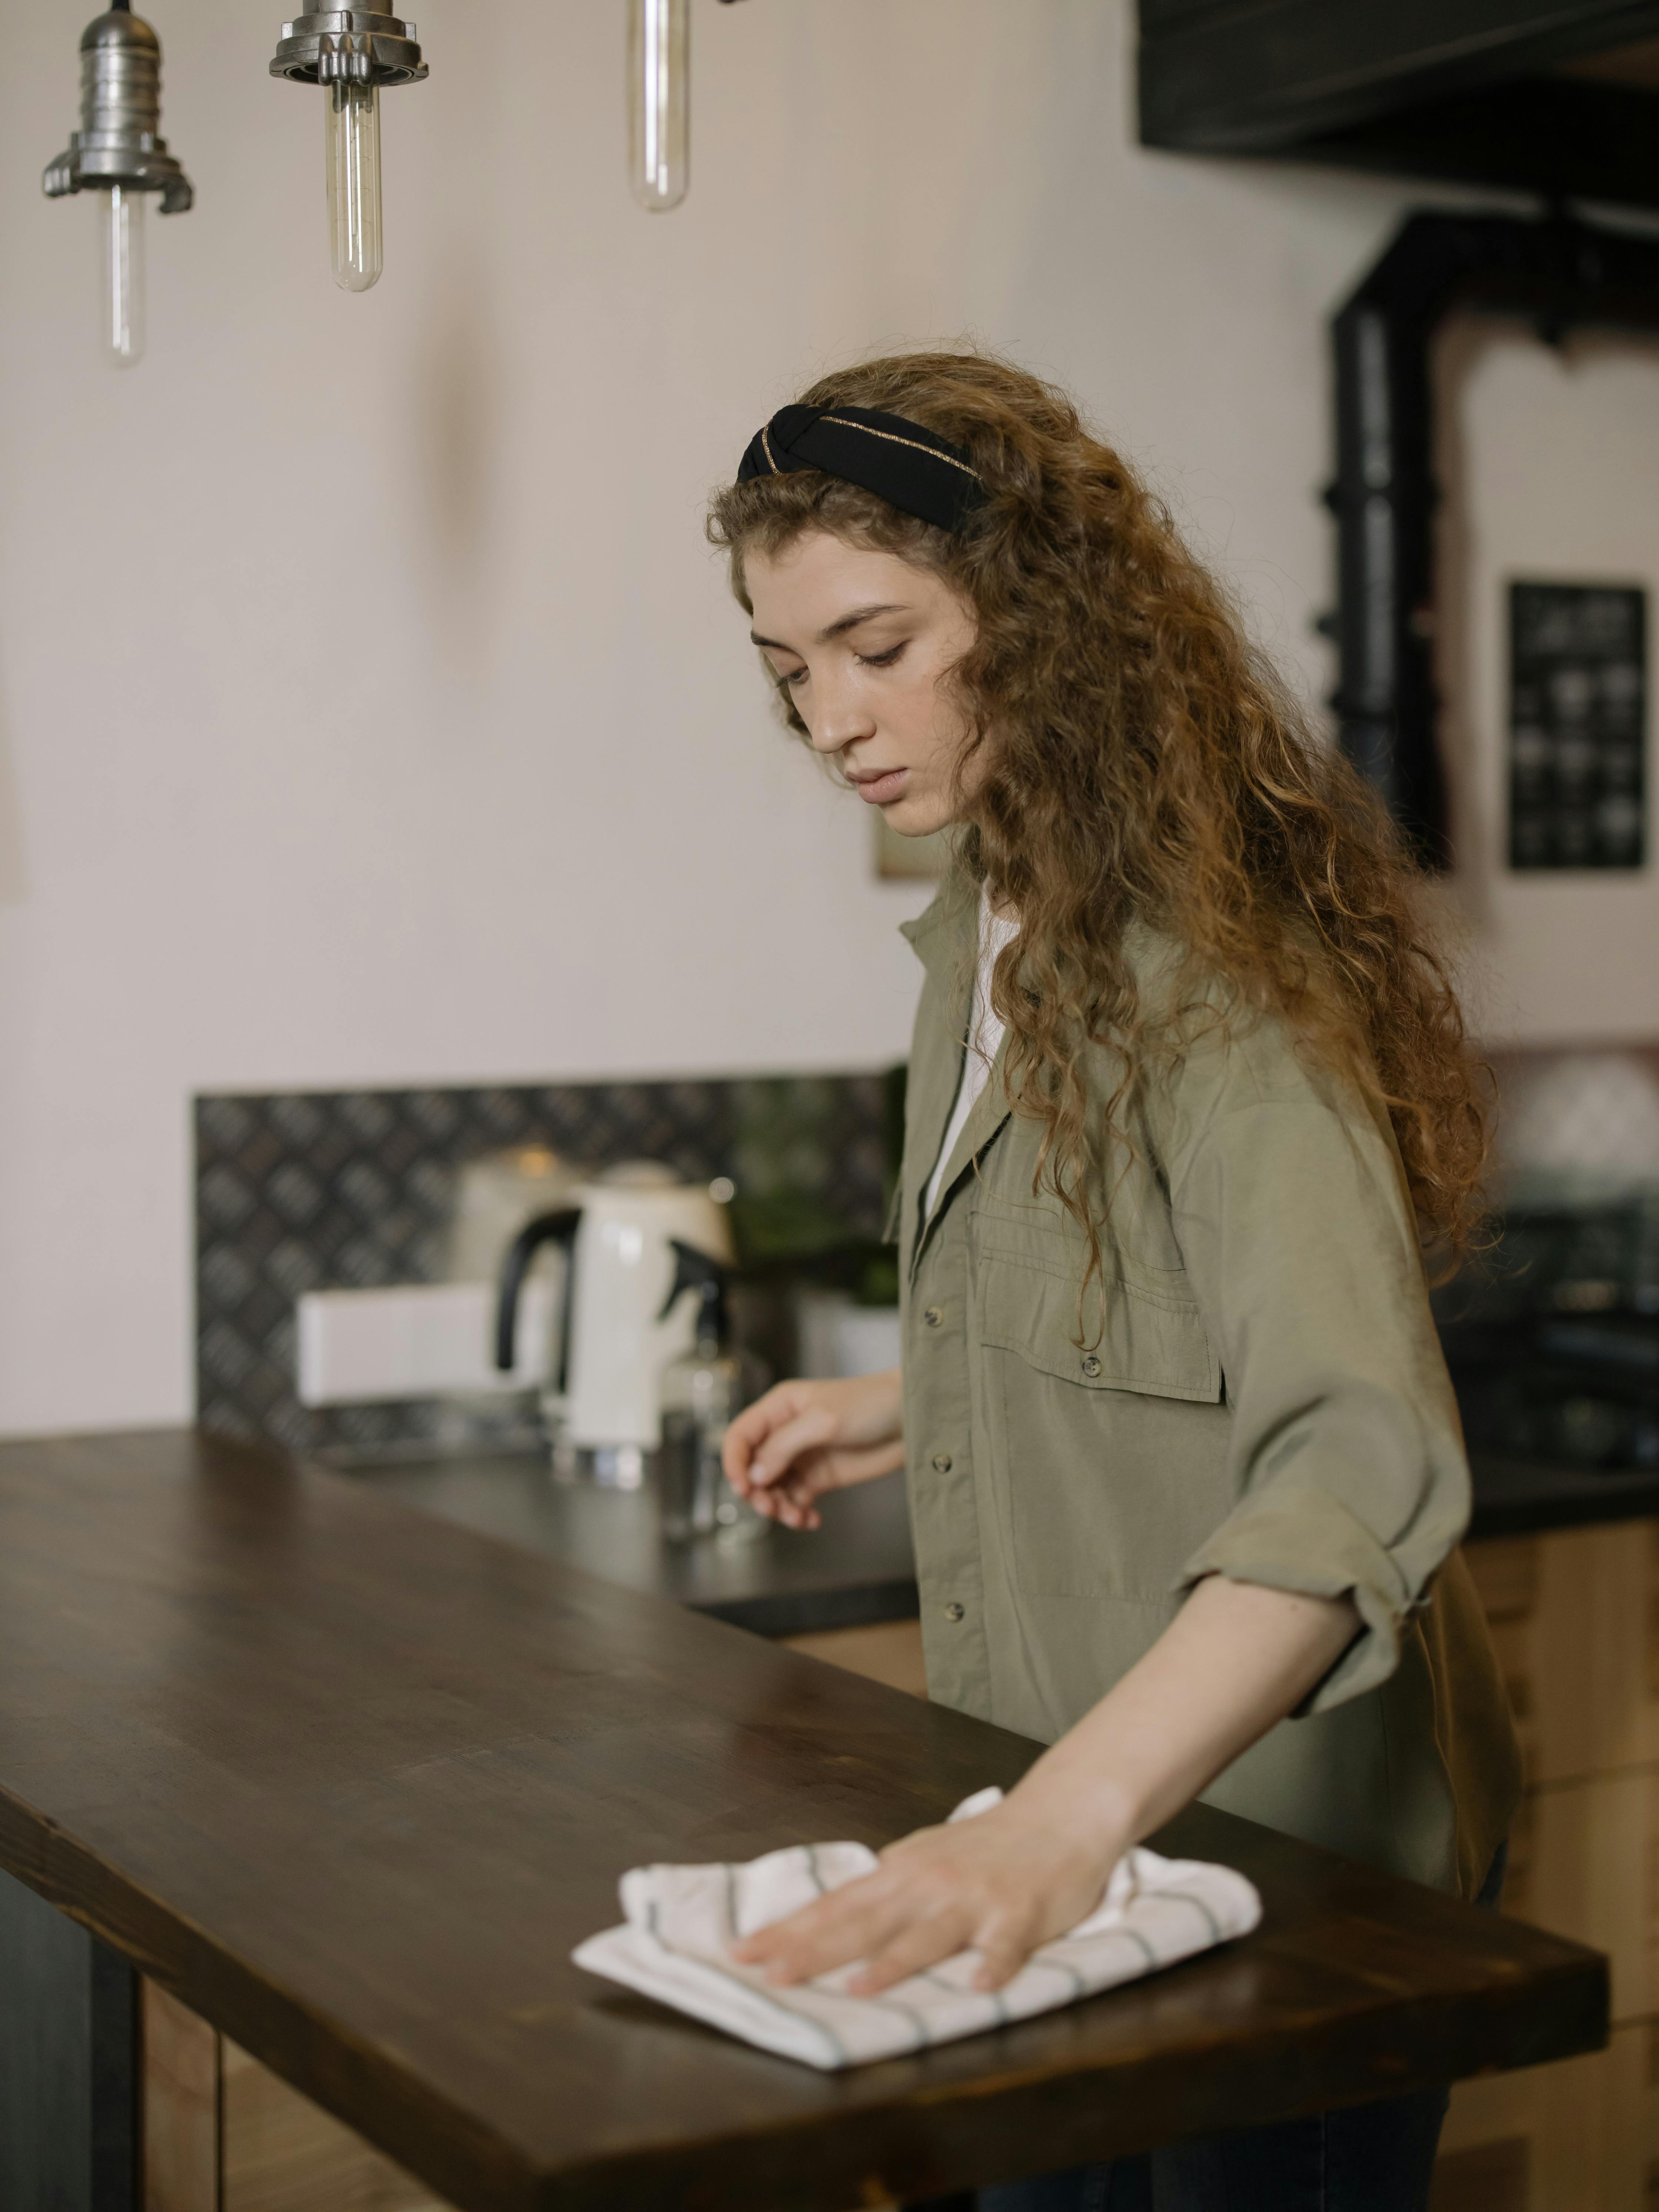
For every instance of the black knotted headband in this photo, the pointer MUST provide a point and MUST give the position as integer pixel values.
(898, 460)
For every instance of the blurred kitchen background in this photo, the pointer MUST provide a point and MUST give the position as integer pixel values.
(397, 846)
(373, 719)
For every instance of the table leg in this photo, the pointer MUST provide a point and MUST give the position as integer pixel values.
(69, 2063)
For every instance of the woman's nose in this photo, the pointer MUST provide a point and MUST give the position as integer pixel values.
(841, 717)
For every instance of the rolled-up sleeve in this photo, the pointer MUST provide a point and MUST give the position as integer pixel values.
(1346, 1456)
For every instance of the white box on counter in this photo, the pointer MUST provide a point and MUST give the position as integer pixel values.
(417, 1340)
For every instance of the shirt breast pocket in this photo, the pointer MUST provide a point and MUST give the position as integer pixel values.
(1108, 1432)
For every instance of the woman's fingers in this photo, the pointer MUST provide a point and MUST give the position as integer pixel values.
(896, 1933)
(808, 1431)
(999, 1886)
(767, 1436)
(923, 1943)
(752, 1426)
(788, 1502)
(850, 1924)
(804, 1438)
(791, 1496)
(1002, 1959)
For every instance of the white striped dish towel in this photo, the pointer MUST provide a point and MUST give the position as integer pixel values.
(681, 1920)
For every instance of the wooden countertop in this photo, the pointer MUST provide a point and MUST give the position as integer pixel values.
(351, 1783)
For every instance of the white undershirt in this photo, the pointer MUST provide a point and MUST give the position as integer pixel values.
(985, 1034)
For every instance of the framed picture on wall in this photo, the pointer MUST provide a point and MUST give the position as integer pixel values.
(1577, 737)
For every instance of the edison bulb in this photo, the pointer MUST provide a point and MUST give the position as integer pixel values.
(121, 290)
(658, 101)
(354, 183)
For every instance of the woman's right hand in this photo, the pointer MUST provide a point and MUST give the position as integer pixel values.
(803, 1438)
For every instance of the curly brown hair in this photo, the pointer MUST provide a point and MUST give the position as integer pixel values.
(1145, 762)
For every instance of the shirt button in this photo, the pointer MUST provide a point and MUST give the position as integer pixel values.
(953, 1611)
(931, 1315)
(941, 1463)
(1091, 1367)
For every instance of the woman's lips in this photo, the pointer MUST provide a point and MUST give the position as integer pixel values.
(878, 790)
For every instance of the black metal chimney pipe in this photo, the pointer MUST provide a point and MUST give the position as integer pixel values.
(1563, 273)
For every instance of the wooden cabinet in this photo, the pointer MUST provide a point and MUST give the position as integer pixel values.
(887, 1651)
(1575, 1614)
(223, 2134)
(181, 2105)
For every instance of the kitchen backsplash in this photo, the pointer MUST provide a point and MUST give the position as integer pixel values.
(1577, 1185)
(317, 1190)
(1579, 1123)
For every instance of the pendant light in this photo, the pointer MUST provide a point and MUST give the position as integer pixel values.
(351, 53)
(119, 156)
(658, 102)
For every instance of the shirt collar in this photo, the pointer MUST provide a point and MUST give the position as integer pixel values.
(946, 929)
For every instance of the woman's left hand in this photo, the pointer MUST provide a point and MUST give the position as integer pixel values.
(1000, 1883)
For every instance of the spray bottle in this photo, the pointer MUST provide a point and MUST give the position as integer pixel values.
(702, 1393)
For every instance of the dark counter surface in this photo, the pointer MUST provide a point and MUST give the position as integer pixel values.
(1519, 1497)
(351, 1783)
(859, 1567)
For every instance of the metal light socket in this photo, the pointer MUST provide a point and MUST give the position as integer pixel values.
(354, 44)
(119, 141)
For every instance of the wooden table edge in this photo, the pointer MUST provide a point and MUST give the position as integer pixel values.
(483, 2170)
(934, 2139)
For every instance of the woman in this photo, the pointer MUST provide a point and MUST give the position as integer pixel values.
(1188, 1102)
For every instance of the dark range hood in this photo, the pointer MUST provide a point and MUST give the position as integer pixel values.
(1555, 96)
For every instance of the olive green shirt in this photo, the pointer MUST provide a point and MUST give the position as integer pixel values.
(1254, 1389)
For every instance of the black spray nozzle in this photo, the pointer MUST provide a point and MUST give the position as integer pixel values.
(700, 1272)
(546, 1229)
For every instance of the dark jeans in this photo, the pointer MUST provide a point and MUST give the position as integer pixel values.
(1369, 2158)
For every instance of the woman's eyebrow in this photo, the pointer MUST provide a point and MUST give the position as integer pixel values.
(835, 629)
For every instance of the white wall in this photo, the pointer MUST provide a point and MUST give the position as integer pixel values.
(370, 709)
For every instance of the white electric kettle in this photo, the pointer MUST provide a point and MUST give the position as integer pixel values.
(619, 1231)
